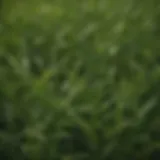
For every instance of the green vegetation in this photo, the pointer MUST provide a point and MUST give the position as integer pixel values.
(79, 80)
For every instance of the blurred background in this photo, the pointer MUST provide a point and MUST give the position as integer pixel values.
(79, 80)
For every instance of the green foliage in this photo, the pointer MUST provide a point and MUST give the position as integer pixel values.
(79, 80)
